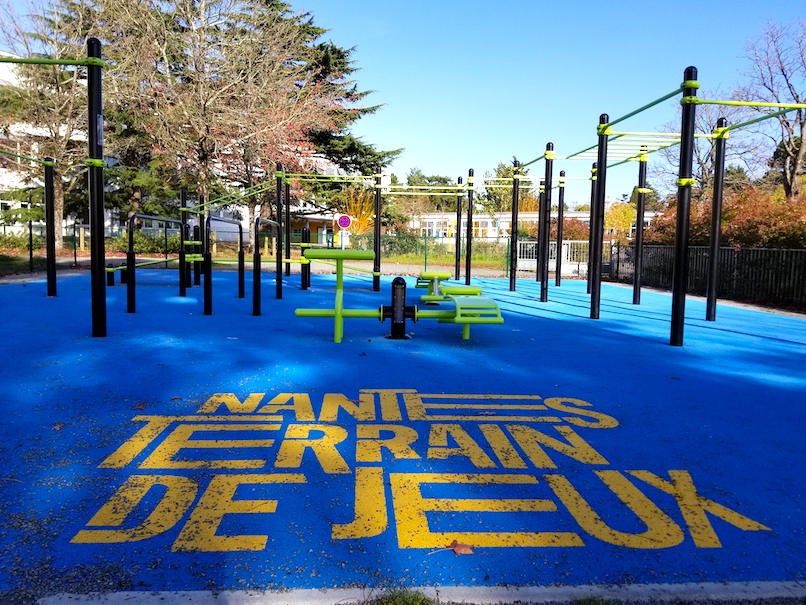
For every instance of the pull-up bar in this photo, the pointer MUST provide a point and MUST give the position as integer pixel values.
(95, 165)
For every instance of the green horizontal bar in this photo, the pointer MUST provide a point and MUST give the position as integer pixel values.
(315, 312)
(647, 106)
(88, 61)
(331, 254)
(362, 313)
(787, 106)
(25, 157)
(568, 157)
(758, 119)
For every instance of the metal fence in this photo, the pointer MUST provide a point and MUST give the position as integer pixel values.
(763, 275)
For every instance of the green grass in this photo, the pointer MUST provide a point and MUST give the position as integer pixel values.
(402, 596)
(15, 265)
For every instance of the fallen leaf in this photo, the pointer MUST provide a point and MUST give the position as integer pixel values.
(457, 547)
(460, 549)
(58, 426)
(139, 406)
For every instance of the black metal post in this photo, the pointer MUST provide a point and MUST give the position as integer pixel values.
(305, 269)
(279, 194)
(131, 268)
(287, 197)
(513, 231)
(188, 265)
(31, 246)
(50, 226)
(561, 202)
(638, 259)
(458, 233)
(716, 219)
(256, 270)
(541, 192)
(469, 244)
(598, 210)
(95, 136)
(684, 184)
(376, 244)
(591, 224)
(197, 237)
(183, 204)
(241, 264)
(278, 264)
(208, 278)
(544, 243)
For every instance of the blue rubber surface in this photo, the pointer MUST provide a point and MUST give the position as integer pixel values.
(189, 452)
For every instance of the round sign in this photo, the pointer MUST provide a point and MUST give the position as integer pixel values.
(344, 221)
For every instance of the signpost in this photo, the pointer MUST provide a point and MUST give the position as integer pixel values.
(344, 221)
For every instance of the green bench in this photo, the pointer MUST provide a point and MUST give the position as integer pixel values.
(438, 291)
(467, 311)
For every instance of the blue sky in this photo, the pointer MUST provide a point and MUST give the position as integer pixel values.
(470, 84)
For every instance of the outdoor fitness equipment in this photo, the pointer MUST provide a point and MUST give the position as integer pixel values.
(208, 262)
(95, 165)
(466, 311)
(438, 291)
(400, 190)
(131, 261)
(256, 265)
(652, 142)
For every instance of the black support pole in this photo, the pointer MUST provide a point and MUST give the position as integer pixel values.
(591, 223)
(458, 233)
(376, 244)
(131, 270)
(513, 230)
(278, 265)
(200, 237)
(716, 218)
(207, 269)
(684, 184)
(95, 136)
(544, 242)
(638, 260)
(256, 264)
(597, 210)
(287, 197)
(469, 244)
(256, 271)
(558, 266)
(197, 251)
(305, 268)
(541, 192)
(183, 204)
(50, 226)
